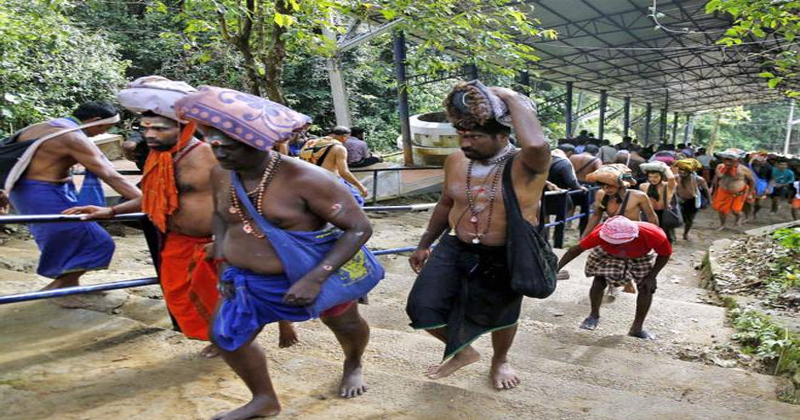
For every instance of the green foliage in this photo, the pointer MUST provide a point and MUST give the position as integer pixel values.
(788, 237)
(762, 19)
(48, 65)
(762, 337)
(750, 127)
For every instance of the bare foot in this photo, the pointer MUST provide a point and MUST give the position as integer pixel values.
(210, 351)
(448, 367)
(353, 383)
(590, 323)
(287, 336)
(642, 334)
(261, 406)
(503, 376)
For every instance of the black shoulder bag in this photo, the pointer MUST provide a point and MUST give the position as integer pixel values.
(531, 261)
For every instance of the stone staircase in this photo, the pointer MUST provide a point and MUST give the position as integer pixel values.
(125, 362)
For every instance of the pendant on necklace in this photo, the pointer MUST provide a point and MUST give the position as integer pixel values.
(473, 219)
(247, 229)
(476, 241)
(232, 210)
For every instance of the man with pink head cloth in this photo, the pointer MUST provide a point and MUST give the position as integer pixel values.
(622, 251)
(283, 228)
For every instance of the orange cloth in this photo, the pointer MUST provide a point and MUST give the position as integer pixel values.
(796, 203)
(189, 283)
(726, 201)
(160, 195)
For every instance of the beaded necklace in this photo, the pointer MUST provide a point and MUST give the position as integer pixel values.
(236, 207)
(500, 164)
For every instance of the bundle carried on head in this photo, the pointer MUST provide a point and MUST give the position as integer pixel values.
(612, 174)
(472, 106)
(155, 94)
(258, 122)
(732, 153)
(689, 165)
(656, 166)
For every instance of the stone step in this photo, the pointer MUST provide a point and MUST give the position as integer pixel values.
(598, 381)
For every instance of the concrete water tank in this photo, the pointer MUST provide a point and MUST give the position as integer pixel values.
(432, 138)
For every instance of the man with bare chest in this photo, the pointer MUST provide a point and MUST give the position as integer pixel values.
(586, 163)
(463, 288)
(35, 168)
(329, 153)
(177, 199)
(616, 198)
(732, 182)
(660, 188)
(283, 229)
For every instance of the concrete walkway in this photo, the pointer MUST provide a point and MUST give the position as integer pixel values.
(122, 361)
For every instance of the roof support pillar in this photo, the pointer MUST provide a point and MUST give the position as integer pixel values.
(626, 121)
(662, 126)
(648, 117)
(602, 125)
(674, 127)
(789, 123)
(568, 110)
(399, 41)
(686, 128)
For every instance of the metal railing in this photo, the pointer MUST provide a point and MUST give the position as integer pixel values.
(376, 171)
(151, 237)
(583, 200)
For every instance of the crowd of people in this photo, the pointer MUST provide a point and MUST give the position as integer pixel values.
(251, 235)
(681, 179)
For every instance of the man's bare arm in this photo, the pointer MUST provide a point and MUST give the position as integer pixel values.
(340, 154)
(332, 202)
(90, 156)
(597, 213)
(535, 153)
(647, 208)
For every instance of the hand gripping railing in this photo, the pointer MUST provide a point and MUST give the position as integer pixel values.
(150, 234)
(580, 198)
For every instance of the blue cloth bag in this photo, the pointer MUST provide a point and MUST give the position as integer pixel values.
(300, 252)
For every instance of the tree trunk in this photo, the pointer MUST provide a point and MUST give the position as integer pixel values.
(276, 57)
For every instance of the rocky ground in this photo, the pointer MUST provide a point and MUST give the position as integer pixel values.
(119, 359)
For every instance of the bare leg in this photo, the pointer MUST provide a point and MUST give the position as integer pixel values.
(738, 220)
(722, 219)
(466, 356)
(643, 301)
(287, 336)
(596, 297)
(502, 375)
(67, 280)
(250, 364)
(352, 331)
(687, 226)
(795, 214)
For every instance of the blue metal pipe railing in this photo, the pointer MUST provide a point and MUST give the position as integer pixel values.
(151, 236)
(76, 290)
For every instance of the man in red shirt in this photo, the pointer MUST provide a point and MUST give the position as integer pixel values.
(622, 252)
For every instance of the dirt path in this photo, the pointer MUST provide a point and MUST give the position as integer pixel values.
(122, 361)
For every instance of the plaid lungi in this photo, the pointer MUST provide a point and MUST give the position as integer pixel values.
(617, 270)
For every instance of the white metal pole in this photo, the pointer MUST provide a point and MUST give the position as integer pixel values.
(789, 124)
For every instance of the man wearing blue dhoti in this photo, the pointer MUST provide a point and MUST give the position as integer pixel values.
(35, 165)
